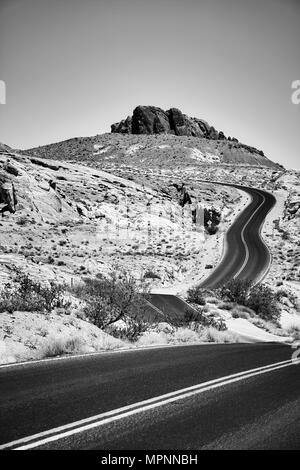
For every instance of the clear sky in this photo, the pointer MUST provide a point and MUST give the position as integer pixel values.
(73, 67)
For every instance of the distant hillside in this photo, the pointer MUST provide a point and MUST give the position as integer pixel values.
(158, 150)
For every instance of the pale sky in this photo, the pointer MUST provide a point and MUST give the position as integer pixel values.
(73, 67)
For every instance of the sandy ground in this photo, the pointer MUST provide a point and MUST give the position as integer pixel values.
(32, 336)
(251, 333)
(28, 335)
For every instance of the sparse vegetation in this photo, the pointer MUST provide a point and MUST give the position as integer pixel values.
(195, 317)
(111, 299)
(235, 291)
(262, 300)
(260, 297)
(25, 294)
(58, 346)
(195, 295)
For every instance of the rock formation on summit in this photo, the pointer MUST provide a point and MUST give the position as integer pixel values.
(153, 120)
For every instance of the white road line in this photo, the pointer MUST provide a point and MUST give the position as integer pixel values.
(107, 351)
(243, 238)
(76, 427)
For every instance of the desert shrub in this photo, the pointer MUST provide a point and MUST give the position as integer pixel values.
(58, 346)
(236, 313)
(195, 317)
(212, 229)
(213, 335)
(235, 291)
(23, 293)
(259, 298)
(153, 337)
(185, 335)
(133, 329)
(113, 298)
(241, 311)
(21, 220)
(195, 295)
(263, 301)
(294, 331)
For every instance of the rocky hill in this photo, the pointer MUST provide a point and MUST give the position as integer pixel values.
(154, 120)
(149, 151)
(156, 138)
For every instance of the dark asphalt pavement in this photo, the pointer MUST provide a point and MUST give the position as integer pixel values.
(38, 397)
(246, 255)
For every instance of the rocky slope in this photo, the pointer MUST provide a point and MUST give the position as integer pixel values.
(63, 220)
(152, 151)
(154, 120)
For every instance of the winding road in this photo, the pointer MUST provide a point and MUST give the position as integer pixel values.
(245, 254)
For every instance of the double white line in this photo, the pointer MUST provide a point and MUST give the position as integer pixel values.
(61, 432)
(243, 238)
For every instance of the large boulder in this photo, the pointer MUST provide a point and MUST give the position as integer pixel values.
(150, 120)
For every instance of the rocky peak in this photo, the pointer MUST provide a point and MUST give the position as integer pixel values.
(154, 120)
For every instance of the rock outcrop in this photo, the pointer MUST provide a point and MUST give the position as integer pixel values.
(153, 120)
(8, 199)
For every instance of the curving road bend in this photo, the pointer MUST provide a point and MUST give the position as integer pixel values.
(246, 255)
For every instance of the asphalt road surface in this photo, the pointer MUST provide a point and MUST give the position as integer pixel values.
(185, 397)
(246, 255)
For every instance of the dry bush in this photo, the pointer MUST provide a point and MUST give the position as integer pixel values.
(259, 298)
(195, 295)
(185, 335)
(212, 335)
(25, 294)
(235, 291)
(113, 298)
(294, 331)
(57, 346)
